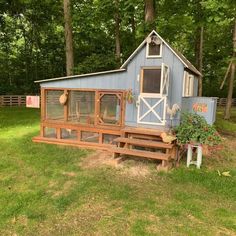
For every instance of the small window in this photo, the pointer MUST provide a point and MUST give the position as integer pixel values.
(151, 80)
(188, 84)
(154, 46)
(154, 50)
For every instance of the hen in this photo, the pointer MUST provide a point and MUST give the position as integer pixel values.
(168, 138)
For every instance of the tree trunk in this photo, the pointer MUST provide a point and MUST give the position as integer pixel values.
(68, 38)
(231, 79)
(199, 56)
(117, 30)
(149, 11)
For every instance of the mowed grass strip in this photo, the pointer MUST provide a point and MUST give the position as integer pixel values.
(45, 191)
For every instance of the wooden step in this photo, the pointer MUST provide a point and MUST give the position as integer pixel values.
(142, 131)
(144, 143)
(144, 154)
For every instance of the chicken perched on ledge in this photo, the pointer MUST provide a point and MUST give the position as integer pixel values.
(168, 138)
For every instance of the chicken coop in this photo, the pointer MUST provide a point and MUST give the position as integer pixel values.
(123, 110)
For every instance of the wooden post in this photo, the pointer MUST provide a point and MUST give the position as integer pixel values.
(43, 105)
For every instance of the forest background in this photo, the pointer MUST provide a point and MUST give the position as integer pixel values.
(106, 32)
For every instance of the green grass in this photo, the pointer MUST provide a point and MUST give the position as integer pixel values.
(38, 197)
(226, 126)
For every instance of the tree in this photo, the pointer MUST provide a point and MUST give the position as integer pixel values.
(232, 77)
(117, 29)
(149, 14)
(68, 38)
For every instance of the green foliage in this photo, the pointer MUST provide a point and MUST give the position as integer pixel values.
(194, 128)
(32, 37)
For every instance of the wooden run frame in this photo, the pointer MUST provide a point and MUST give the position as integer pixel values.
(98, 127)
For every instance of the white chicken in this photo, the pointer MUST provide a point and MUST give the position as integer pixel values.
(172, 111)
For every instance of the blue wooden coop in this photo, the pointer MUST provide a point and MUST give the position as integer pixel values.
(130, 106)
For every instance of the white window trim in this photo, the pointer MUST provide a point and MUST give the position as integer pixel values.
(188, 85)
(163, 65)
(160, 94)
(153, 56)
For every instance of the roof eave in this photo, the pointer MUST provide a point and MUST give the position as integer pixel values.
(80, 76)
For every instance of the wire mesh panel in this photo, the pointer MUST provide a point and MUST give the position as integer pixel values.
(69, 134)
(110, 109)
(87, 136)
(54, 110)
(50, 132)
(81, 107)
(109, 138)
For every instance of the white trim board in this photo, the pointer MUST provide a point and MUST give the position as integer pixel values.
(80, 76)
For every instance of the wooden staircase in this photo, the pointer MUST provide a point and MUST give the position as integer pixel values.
(144, 143)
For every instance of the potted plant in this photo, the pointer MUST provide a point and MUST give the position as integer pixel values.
(194, 129)
(129, 96)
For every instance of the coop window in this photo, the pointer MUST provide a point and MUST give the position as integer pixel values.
(154, 47)
(188, 84)
(81, 107)
(54, 110)
(151, 80)
(91, 137)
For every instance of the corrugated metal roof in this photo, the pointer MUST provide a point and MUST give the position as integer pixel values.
(80, 76)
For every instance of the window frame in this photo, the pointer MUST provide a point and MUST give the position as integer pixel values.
(160, 94)
(188, 84)
(153, 56)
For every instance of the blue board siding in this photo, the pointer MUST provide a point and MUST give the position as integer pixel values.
(130, 79)
(210, 102)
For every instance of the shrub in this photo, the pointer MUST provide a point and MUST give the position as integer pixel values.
(193, 128)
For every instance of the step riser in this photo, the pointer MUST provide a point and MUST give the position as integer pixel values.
(144, 154)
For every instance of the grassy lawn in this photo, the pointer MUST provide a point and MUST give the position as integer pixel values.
(229, 126)
(44, 190)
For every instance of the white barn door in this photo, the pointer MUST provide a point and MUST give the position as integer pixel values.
(153, 95)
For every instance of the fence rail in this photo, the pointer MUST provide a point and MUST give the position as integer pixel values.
(12, 100)
(20, 100)
(223, 101)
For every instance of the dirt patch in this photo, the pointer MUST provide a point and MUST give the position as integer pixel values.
(138, 170)
(21, 219)
(99, 159)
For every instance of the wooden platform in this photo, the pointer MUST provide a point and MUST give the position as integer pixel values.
(143, 131)
(144, 143)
